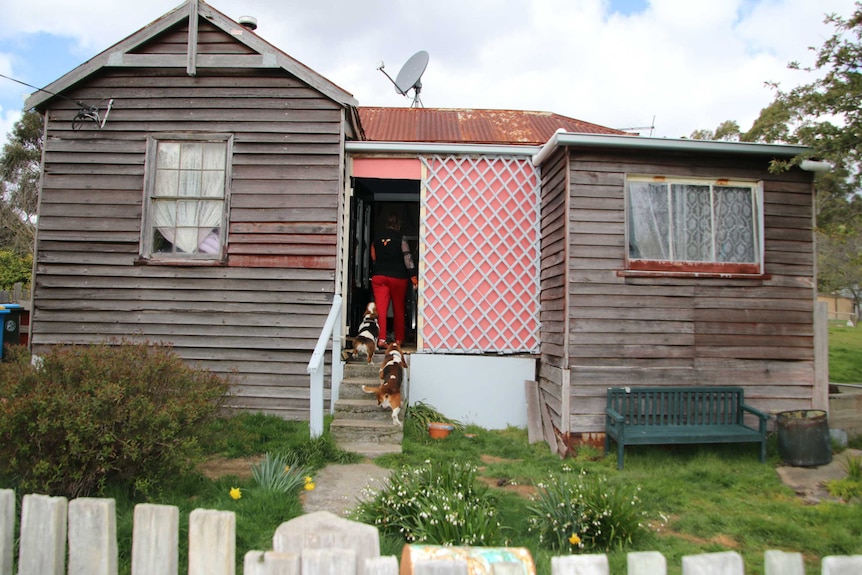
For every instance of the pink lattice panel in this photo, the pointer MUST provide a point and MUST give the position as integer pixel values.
(480, 235)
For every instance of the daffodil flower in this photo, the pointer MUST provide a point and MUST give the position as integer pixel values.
(574, 539)
(309, 486)
(235, 493)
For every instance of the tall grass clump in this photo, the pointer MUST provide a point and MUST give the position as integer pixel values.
(279, 474)
(436, 503)
(849, 487)
(572, 512)
(84, 417)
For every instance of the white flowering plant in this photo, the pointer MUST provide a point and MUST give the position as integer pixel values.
(574, 512)
(436, 504)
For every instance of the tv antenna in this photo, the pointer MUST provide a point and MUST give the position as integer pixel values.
(85, 113)
(410, 77)
(651, 127)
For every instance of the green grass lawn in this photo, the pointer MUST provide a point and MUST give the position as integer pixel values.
(697, 499)
(845, 354)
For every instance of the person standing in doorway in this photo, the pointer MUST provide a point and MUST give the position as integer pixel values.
(393, 270)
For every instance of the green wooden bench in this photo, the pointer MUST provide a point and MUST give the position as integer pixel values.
(680, 415)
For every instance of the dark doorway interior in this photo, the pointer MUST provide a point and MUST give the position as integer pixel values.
(373, 200)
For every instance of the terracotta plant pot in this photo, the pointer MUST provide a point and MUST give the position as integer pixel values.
(439, 430)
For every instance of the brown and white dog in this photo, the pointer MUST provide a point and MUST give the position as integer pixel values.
(391, 376)
(366, 336)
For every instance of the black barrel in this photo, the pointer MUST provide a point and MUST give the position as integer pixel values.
(803, 437)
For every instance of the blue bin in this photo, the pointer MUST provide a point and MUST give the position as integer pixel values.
(12, 323)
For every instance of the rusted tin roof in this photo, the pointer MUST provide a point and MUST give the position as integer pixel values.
(467, 126)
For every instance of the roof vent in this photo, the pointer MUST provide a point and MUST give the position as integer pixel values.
(249, 22)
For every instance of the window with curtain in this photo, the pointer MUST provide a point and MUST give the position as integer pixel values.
(187, 191)
(693, 225)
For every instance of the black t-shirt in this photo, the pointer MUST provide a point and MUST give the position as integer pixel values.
(389, 248)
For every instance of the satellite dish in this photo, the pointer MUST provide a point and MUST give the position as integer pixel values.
(410, 76)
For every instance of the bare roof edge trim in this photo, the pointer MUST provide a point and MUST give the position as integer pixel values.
(439, 148)
(568, 139)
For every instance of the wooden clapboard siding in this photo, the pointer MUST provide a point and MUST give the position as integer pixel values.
(211, 40)
(552, 300)
(629, 331)
(257, 315)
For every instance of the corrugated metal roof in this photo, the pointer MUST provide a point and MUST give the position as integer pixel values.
(467, 126)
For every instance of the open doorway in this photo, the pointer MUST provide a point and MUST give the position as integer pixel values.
(373, 200)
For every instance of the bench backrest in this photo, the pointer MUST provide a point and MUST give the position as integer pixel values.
(677, 405)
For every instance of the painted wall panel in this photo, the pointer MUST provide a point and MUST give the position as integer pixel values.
(480, 255)
(462, 387)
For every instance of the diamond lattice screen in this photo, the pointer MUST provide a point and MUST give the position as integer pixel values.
(480, 238)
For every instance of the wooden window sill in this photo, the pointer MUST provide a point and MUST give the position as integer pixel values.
(141, 261)
(690, 274)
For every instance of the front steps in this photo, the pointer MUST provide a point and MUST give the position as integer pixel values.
(358, 423)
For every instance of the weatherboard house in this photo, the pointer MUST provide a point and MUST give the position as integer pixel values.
(226, 205)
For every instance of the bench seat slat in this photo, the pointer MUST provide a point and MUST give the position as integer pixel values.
(654, 434)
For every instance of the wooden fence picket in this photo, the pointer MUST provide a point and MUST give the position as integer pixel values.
(312, 544)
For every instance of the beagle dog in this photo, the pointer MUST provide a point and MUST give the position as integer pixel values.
(365, 339)
(388, 393)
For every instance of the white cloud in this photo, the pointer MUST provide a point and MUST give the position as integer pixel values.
(7, 121)
(689, 63)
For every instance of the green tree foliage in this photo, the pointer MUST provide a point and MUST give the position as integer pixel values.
(14, 269)
(825, 116)
(728, 130)
(839, 260)
(20, 170)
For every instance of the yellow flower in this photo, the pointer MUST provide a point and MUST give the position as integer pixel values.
(309, 485)
(574, 539)
(235, 493)
(287, 468)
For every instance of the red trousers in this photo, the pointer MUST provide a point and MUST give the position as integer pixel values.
(385, 289)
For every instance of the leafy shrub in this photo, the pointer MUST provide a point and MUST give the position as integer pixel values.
(573, 512)
(14, 269)
(279, 474)
(88, 416)
(438, 504)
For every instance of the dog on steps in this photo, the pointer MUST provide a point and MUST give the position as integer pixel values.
(388, 393)
(365, 340)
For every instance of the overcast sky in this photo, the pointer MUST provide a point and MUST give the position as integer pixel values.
(679, 65)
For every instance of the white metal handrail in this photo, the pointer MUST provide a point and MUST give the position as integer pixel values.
(332, 328)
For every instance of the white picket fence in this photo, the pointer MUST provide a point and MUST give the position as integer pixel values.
(314, 544)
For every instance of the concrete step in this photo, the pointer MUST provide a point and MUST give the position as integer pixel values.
(360, 369)
(362, 409)
(371, 450)
(352, 388)
(346, 431)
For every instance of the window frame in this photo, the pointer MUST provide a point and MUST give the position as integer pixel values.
(690, 267)
(146, 253)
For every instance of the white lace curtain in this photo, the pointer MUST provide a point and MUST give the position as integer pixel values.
(189, 196)
(691, 222)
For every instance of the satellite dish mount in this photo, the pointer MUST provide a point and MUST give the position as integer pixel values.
(410, 77)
